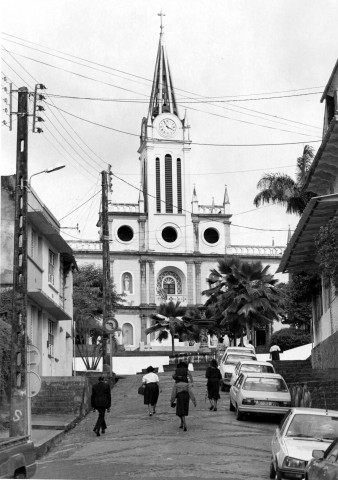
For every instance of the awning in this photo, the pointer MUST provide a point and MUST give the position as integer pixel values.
(300, 254)
(46, 303)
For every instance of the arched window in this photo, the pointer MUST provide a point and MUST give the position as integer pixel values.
(179, 186)
(168, 281)
(168, 176)
(158, 186)
(169, 285)
(127, 334)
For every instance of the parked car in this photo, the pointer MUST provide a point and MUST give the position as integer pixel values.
(301, 431)
(246, 349)
(324, 465)
(259, 393)
(17, 458)
(251, 366)
(228, 366)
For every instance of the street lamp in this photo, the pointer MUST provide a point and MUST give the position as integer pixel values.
(48, 170)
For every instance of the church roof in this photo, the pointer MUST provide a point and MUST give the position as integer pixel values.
(162, 97)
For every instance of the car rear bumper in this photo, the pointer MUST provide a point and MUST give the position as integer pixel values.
(273, 410)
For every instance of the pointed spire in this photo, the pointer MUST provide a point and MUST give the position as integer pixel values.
(213, 205)
(273, 242)
(194, 201)
(226, 196)
(289, 235)
(162, 98)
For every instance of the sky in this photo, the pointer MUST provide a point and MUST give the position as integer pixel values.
(248, 72)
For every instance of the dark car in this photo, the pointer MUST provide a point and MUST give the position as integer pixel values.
(324, 465)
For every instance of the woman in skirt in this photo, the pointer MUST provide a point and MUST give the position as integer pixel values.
(182, 393)
(214, 377)
(152, 390)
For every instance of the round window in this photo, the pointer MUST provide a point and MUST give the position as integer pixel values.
(169, 234)
(125, 233)
(211, 235)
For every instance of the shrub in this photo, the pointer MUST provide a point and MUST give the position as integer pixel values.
(290, 338)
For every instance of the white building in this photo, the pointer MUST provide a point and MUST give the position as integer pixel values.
(166, 242)
(49, 280)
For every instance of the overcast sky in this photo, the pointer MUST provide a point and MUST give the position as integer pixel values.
(103, 52)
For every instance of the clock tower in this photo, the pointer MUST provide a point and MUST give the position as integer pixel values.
(164, 158)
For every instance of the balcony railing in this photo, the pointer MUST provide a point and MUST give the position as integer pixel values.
(125, 207)
(172, 298)
(255, 251)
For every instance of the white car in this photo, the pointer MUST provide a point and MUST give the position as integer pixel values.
(259, 393)
(251, 366)
(228, 366)
(301, 431)
(246, 349)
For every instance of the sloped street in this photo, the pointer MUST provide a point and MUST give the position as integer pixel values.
(135, 445)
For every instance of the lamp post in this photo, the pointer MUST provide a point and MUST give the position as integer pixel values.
(48, 170)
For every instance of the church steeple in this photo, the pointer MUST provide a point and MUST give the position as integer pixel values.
(162, 97)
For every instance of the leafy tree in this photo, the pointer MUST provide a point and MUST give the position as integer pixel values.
(298, 299)
(244, 295)
(88, 302)
(169, 320)
(288, 338)
(282, 189)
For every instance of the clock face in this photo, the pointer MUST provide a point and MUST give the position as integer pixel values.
(167, 127)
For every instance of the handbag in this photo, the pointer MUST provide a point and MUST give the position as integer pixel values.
(141, 390)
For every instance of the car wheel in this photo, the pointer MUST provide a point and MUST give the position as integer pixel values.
(278, 475)
(231, 407)
(239, 415)
(20, 473)
(272, 470)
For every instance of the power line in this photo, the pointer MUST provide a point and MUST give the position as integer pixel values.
(74, 210)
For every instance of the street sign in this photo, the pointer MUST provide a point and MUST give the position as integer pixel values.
(33, 384)
(111, 325)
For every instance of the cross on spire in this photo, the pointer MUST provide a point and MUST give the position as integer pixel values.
(161, 14)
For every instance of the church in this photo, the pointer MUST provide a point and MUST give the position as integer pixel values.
(163, 247)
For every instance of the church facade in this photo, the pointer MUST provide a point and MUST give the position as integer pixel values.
(163, 247)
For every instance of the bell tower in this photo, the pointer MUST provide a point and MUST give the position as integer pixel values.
(164, 158)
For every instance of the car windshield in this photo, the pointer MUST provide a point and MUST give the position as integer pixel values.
(258, 368)
(236, 358)
(313, 426)
(265, 384)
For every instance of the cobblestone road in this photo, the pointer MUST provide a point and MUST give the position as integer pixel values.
(135, 445)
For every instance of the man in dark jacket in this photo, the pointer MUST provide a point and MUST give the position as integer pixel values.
(100, 401)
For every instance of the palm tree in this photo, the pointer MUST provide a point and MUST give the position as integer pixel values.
(169, 320)
(282, 189)
(244, 295)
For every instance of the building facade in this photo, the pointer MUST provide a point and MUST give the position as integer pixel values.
(164, 246)
(50, 264)
(301, 253)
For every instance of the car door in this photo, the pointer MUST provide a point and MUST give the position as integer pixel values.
(235, 389)
(329, 466)
(276, 443)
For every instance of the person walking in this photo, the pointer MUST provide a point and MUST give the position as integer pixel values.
(274, 352)
(182, 392)
(214, 377)
(151, 383)
(101, 401)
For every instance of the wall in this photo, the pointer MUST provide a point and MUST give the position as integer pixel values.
(325, 354)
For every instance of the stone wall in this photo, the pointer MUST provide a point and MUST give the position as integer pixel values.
(325, 354)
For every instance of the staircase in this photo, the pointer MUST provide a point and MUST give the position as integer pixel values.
(302, 378)
(61, 395)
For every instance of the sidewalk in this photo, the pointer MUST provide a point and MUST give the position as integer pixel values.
(47, 430)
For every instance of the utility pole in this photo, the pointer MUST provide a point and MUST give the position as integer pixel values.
(109, 321)
(18, 405)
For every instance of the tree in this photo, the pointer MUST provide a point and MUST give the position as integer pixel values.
(244, 295)
(282, 189)
(288, 338)
(88, 300)
(169, 320)
(298, 295)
